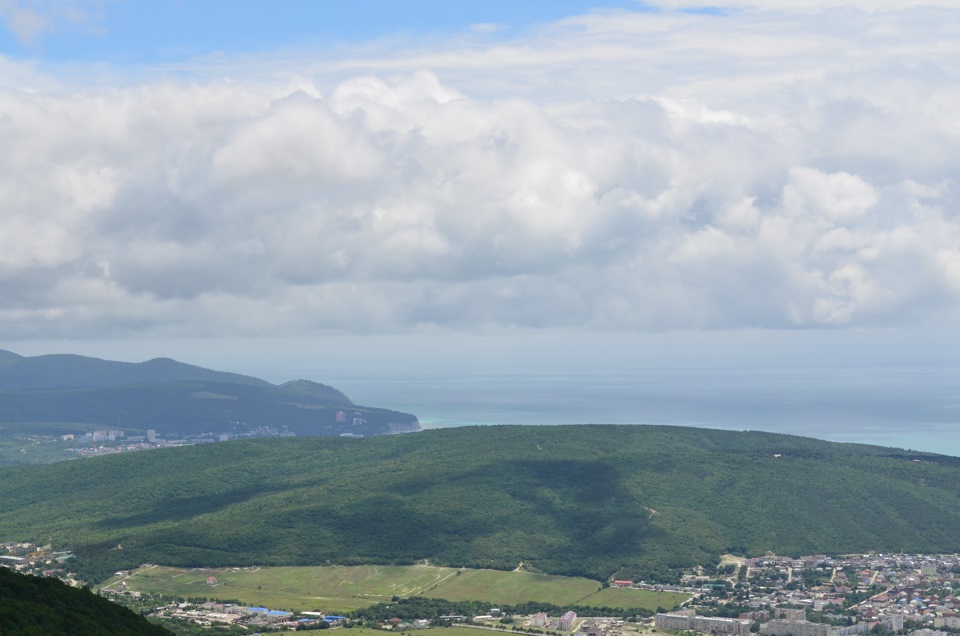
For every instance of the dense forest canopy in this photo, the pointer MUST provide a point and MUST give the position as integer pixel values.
(630, 501)
(38, 606)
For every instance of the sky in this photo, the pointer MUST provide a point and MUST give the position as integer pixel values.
(181, 175)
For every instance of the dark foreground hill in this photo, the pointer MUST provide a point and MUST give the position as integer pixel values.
(35, 606)
(579, 500)
(69, 394)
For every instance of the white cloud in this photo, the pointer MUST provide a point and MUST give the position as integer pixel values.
(805, 6)
(29, 21)
(838, 197)
(611, 171)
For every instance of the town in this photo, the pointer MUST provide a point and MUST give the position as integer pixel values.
(825, 596)
(112, 441)
(772, 595)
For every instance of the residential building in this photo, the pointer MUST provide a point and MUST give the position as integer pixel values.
(894, 622)
(790, 614)
(784, 627)
(704, 624)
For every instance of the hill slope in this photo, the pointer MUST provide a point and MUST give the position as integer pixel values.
(31, 605)
(578, 500)
(60, 394)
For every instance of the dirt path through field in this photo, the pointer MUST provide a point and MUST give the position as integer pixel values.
(437, 583)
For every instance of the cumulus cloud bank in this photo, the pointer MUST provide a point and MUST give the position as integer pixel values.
(637, 171)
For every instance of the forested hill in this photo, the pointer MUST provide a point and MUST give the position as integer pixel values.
(68, 394)
(36, 606)
(586, 500)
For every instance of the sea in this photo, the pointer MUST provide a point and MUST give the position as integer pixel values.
(886, 387)
(869, 406)
(877, 388)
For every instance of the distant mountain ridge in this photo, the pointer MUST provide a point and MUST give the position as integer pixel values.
(65, 371)
(64, 394)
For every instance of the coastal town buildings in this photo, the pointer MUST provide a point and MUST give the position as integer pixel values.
(707, 625)
(566, 621)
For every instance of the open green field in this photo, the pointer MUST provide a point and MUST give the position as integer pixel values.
(616, 597)
(329, 589)
(341, 588)
(509, 588)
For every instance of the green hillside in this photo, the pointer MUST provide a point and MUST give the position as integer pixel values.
(575, 500)
(31, 605)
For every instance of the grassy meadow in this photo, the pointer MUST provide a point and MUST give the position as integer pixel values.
(614, 597)
(509, 588)
(345, 588)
